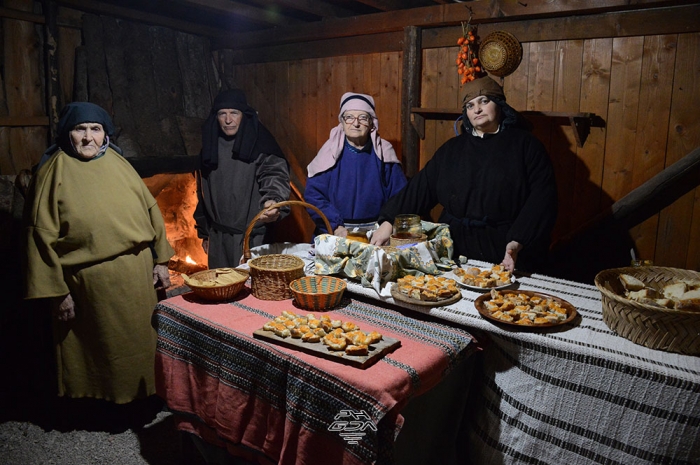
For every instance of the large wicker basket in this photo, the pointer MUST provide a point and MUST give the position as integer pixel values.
(318, 292)
(500, 53)
(270, 275)
(654, 327)
(217, 293)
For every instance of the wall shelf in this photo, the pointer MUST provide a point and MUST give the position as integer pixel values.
(580, 122)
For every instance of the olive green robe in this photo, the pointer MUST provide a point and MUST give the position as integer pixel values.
(94, 230)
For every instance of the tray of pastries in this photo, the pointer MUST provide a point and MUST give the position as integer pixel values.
(327, 337)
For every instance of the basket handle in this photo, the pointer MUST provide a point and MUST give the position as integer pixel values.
(246, 242)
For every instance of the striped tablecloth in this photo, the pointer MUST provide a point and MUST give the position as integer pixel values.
(273, 404)
(578, 394)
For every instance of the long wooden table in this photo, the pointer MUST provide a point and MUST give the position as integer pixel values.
(272, 404)
(576, 394)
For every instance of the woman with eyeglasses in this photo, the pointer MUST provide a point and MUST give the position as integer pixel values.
(355, 172)
(495, 182)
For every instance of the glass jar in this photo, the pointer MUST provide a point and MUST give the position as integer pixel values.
(407, 227)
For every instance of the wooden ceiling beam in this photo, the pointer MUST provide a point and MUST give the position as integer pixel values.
(101, 8)
(314, 7)
(426, 17)
(392, 5)
(261, 15)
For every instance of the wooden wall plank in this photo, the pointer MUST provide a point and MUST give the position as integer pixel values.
(515, 86)
(541, 68)
(595, 84)
(388, 102)
(566, 96)
(26, 145)
(622, 116)
(373, 72)
(652, 129)
(429, 89)
(540, 89)
(7, 167)
(326, 102)
(105, 36)
(98, 81)
(679, 223)
(197, 96)
(168, 89)
(68, 40)
(21, 92)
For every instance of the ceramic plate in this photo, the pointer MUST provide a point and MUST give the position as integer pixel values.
(477, 288)
(397, 295)
(480, 304)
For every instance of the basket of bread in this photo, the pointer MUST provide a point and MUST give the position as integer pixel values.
(217, 284)
(657, 307)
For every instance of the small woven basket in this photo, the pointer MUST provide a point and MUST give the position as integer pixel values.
(217, 293)
(654, 327)
(500, 53)
(318, 292)
(270, 275)
(396, 242)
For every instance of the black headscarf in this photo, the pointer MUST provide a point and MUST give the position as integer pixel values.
(71, 115)
(252, 137)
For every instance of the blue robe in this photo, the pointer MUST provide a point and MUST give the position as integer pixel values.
(355, 189)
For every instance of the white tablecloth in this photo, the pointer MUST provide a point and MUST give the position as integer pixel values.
(577, 394)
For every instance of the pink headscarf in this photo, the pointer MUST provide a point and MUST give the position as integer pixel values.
(328, 155)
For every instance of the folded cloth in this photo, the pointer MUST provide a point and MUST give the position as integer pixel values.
(374, 266)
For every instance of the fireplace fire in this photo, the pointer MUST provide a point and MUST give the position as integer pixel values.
(176, 195)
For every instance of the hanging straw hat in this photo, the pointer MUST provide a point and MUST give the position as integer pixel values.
(500, 53)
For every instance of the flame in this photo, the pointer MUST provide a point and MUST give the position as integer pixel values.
(188, 259)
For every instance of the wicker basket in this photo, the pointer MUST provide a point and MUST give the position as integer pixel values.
(397, 242)
(318, 292)
(270, 275)
(500, 53)
(218, 293)
(657, 328)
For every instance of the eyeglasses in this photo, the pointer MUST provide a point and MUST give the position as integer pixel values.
(349, 119)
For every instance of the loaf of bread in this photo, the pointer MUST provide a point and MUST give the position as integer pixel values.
(631, 283)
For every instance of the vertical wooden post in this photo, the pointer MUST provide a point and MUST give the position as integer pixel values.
(410, 97)
(53, 89)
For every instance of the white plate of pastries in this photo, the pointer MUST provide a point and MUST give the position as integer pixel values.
(484, 279)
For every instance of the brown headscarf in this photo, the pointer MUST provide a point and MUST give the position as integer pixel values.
(482, 86)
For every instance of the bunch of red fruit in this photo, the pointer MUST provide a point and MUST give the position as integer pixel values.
(468, 65)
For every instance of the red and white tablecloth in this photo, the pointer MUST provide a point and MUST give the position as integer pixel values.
(270, 403)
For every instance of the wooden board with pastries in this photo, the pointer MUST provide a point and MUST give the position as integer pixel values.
(374, 350)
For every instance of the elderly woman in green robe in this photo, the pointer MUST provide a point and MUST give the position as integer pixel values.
(96, 248)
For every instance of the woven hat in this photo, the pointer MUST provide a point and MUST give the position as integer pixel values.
(500, 53)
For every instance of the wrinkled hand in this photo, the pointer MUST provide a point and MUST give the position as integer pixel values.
(161, 277)
(511, 256)
(382, 234)
(269, 216)
(64, 308)
(205, 245)
(341, 231)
